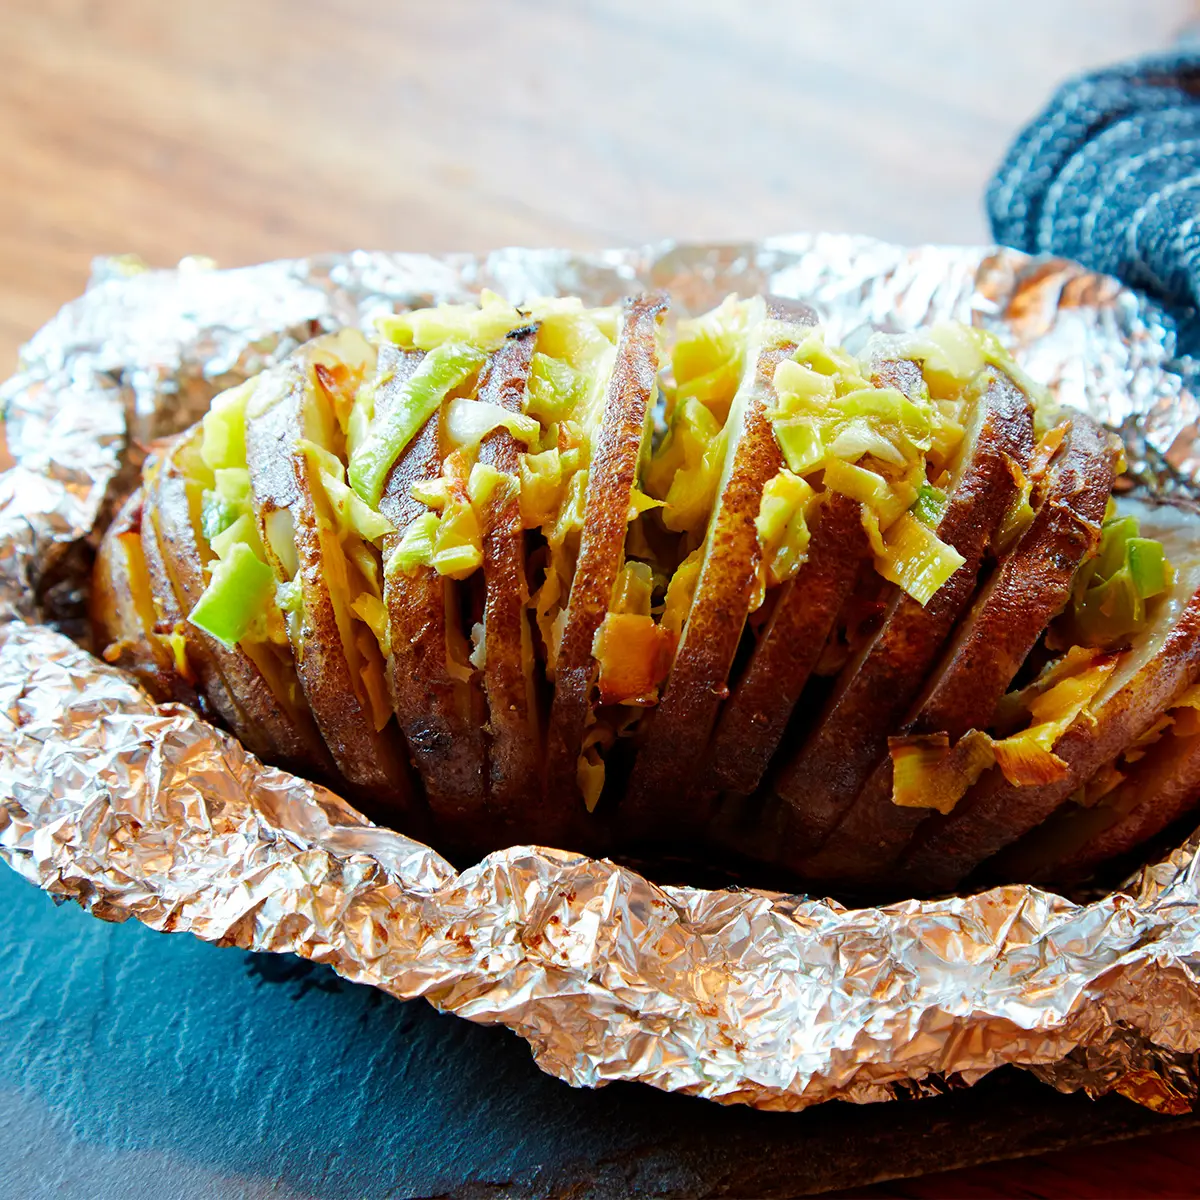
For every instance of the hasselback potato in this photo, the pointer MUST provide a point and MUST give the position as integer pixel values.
(711, 590)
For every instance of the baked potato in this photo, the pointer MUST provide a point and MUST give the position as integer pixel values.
(707, 588)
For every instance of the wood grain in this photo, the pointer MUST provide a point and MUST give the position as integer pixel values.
(246, 131)
(252, 129)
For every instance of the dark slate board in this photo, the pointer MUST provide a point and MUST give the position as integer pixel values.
(140, 1064)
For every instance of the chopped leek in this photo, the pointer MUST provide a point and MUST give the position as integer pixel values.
(555, 389)
(796, 382)
(800, 440)
(351, 513)
(856, 482)
(1109, 597)
(223, 442)
(782, 525)
(242, 530)
(1027, 758)
(927, 772)
(484, 325)
(238, 593)
(484, 482)
(685, 470)
(709, 354)
(634, 589)
(916, 559)
(441, 370)
(930, 505)
(415, 548)
(468, 422)
(680, 592)
(542, 486)
(1148, 567)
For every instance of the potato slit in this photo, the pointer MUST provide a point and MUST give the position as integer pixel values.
(1029, 588)
(822, 779)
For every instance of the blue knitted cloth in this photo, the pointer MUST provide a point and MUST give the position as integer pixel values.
(1109, 174)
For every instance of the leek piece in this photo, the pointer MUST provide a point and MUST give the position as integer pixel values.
(1148, 567)
(457, 561)
(223, 442)
(927, 772)
(799, 387)
(242, 530)
(930, 505)
(634, 589)
(916, 559)
(468, 422)
(542, 486)
(1108, 598)
(241, 588)
(351, 514)
(686, 469)
(485, 325)
(555, 389)
(441, 370)
(681, 591)
(217, 515)
(801, 443)
(484, 481)
(415, 548)
(856, 482)
(858, 438)
(1111, 557)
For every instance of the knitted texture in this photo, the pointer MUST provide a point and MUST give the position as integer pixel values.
(1109, 174)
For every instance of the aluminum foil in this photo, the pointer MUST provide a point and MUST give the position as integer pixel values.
(141, 810)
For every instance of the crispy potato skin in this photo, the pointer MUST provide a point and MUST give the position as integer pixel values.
(1029, 588)
(877, 687)
(662, 790)
(440, 714)
(611, 479)
(514, 726)
(281, 478)
(1157, 790)
(994, 813)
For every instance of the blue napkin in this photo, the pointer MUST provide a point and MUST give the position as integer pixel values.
(1109, 174)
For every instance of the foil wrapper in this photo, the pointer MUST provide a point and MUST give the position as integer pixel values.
(780, 1001)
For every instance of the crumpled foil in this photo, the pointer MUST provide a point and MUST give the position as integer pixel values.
(744, 996)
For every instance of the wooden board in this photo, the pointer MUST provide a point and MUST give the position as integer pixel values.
(253, 131)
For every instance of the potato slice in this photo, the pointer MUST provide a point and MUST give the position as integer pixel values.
(876, 687)
(122, 613)
(434, 689)
(1156, 791)
(1162, 661)
(754, 719)
(514, 723)
(677, 731)
(1029, 588)
(338, 660)
(612, 475)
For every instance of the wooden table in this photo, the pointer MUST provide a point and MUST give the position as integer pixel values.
(252, 129)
